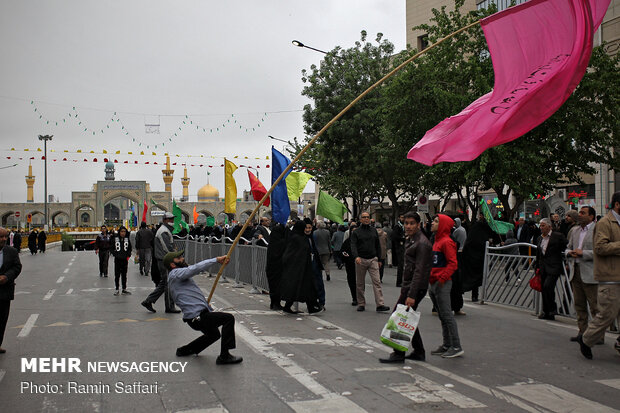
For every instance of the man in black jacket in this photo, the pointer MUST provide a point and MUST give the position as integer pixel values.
(144, 240)
(10, 267)
(102, 248)
(417, 271)
(550, 263)
(366, 250)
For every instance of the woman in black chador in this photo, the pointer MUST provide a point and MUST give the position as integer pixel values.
(275, 249)
(32, 242)
(297, 282)
(42, 237)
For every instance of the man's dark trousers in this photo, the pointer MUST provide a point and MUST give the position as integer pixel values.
(162, 288)
(548, 282)
(5, 307)
(104, 259)
(416, 340)
(209, 324)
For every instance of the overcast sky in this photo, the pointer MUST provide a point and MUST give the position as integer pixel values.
(147, 60)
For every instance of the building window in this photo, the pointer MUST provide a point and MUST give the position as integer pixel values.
(422, 42)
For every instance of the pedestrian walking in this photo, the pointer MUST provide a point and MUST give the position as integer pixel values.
(322, 241)
(32, 242)
(164, 244)
(444, 265)
(41, 241)
(15, 240)
(416, 275)
(144, 240)
(298, 276)
(580, 254)
(349, 265)
(102, 248)
(10, 268)
(366, 250)
(398, 248)
(550, 264)
(383, 243)
(121, 250)
(606, 238)
(273, 269)
(197, 312)
(337, 240)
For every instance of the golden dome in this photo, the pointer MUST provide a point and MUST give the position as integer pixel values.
(208, 193)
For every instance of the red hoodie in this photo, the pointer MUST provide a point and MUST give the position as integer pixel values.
(444, 252)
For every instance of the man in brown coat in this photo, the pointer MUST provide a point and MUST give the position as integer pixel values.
(607, 273)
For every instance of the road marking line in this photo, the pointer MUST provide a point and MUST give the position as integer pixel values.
(423, 390)
(126, 320)
(49, 294)
(71, 263)
(329, 401)
(59, 280)
(484, 389)
(28, 326)
(92, 322)
(556, 399)
(615, 383)
(58, 324)
(69, 291)
(313, 341)
(219, 409)
(66, 270)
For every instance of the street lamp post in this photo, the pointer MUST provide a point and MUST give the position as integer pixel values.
(45, 138)
(300, 44)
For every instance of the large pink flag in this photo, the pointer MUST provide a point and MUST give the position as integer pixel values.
(540, 51)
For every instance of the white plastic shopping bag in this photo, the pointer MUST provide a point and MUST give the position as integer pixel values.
(400, 328)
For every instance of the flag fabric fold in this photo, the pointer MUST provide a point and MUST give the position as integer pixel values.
(144, 211)
(195, 215)
(280, 207)
(296, 183)
(330, 208)
(230, 188)
(179, 223)
(499, 227)
(257, 188)
(540, 51)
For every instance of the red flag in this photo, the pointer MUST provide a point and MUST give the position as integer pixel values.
(540, 51)
(146, 207)
(258, 190)
(195, 216)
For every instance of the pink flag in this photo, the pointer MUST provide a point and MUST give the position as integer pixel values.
(540, 51)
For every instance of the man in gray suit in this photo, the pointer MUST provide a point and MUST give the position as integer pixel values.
(580, 256)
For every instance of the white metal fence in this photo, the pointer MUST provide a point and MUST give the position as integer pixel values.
(247, 262)
(506, 281)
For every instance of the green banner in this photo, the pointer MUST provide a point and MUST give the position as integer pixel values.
(499, 227)
(330, 208)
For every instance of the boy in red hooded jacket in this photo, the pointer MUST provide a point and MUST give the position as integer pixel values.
(444, 265)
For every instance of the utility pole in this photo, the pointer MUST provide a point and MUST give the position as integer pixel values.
(45, 138)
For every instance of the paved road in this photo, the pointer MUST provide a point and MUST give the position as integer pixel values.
(326, 363)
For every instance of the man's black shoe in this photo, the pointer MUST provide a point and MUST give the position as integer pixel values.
(148, 306)
(416, 356)
(183, 352)
(289, 310)
(393, 358)
(2, 351)
(383, 309)
(175, 311)
(328, 278)
(585, 350)
(399, 285)
(576, 338)
(353, 303)
(228, 359)
(276, 307)
(361, 308)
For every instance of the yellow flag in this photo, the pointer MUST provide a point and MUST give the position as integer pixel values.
(230, 190)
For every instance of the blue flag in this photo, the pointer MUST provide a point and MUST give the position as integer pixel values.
(280, 207)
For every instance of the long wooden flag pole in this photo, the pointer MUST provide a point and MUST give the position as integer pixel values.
(317, 136)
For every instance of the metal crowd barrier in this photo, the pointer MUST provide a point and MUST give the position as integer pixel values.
(247, 262)
(506, 281)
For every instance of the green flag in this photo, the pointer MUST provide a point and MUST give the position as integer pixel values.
(179, 224)
(210, 221)
(296, 183)
(330, 208)
(499, 227)
(153, 202)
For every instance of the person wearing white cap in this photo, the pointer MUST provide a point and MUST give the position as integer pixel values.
(163, 245)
